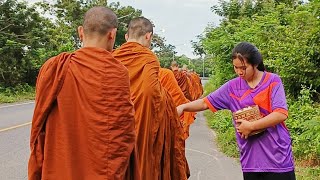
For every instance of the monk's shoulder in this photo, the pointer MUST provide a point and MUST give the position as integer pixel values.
(165, 70)
(54, 61)
(169, 72)
(121, 67)
(150, 55)
(116, 51)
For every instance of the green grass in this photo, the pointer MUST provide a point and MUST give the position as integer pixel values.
(17, 94)
(307, 173)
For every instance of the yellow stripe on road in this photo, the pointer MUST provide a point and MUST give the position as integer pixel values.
(14, 127)
(12, 105)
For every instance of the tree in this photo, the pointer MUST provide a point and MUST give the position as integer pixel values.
(69, 14)
(286, 34)
(29, 35)
(125, 14)
(165, 52)
(23, 32)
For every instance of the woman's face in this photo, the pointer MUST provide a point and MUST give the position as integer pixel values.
(243, 69)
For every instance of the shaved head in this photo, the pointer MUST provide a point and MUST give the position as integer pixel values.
(185, 67)
(174, 64)
(99, 20)
(138, 27)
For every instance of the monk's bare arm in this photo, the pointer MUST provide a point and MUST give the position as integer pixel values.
(194, 106)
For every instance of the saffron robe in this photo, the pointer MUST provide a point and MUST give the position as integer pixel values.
(183, 83)
(158, 128)
(83, 122)
(169, 82)
(196, 85)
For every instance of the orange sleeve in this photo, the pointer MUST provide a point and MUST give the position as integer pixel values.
(212, 108)
(281, 110)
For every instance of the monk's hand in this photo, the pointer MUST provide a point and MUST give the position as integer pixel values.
(180, 110)
(244, 128)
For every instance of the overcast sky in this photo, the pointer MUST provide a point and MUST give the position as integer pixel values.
(181, 20)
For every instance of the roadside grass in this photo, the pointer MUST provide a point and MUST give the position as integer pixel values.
(17, 94)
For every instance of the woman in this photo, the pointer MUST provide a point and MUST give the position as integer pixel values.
(267, 155)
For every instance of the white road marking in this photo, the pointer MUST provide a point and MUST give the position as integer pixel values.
(198, 175)
(202, 153)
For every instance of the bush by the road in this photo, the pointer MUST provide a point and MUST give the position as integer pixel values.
(19, 93)
(288, 35)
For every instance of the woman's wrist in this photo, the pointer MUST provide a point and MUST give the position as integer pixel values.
(253, 126)
(183, 107)
(256, 125)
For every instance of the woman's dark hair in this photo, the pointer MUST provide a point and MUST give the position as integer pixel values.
(250, 52)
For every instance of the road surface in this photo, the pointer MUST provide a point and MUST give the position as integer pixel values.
(205, 160)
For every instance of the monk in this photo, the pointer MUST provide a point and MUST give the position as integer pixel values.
(192, 90)
(169, 82)
(198, 84)
(159, 132)
(182, 79)
(83, 122)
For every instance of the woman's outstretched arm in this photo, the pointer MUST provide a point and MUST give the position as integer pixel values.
(194, 106)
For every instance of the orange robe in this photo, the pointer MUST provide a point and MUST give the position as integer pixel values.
(183, 83)
(169, 82)
(83, 122)
(192, 86)
(159, 132)
(198, 85)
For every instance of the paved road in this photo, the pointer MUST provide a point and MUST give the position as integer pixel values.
(205, 161)
(14, 140)
(12, 115)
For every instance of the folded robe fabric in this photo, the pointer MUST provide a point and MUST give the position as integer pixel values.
(197, 86)
(159, 137)
(169, 82)
(183, 83)
(83, 122)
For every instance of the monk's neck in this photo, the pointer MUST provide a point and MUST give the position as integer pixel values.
(97, 43)
(139, 41)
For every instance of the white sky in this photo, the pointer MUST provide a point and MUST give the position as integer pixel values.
(182, 20)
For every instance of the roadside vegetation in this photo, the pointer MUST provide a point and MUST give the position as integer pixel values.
(288, 35)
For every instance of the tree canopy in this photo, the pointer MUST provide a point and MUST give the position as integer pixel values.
(286, 32)
(30, 34)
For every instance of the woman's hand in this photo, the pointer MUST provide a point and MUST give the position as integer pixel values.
(244, 127)
(180, 110)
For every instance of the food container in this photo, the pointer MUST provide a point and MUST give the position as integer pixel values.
(250, 113)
